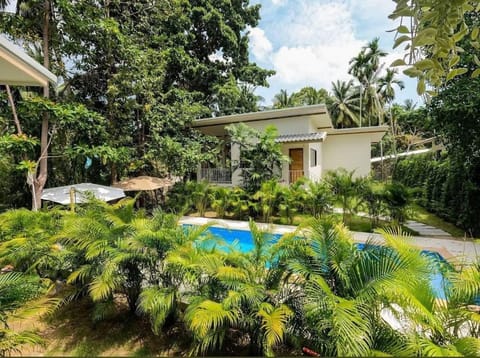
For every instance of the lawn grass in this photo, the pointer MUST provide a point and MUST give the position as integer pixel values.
(423, 216)
(72, 332)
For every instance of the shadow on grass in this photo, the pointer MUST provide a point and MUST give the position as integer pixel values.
(72, 332)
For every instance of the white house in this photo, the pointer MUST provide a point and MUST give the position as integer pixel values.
(19, 69)
(308, 138)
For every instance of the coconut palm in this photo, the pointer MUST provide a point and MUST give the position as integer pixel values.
(387, 93)
(366, 69)
(345, 105)
(284, 100)
(309, 96)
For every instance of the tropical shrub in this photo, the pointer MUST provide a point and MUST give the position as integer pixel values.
(346, 189)
(261, 155)
(373, 197)
(318, 199)
(220, 199)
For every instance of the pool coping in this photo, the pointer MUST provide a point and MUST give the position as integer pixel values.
(455, 251)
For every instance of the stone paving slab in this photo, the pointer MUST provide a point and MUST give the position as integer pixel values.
(456, 251)
(426, 230)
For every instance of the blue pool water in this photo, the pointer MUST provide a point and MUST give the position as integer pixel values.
(242, 239)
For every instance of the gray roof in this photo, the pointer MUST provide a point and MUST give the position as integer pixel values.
(307, 137)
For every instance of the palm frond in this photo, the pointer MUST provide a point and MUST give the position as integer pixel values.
(274, 322)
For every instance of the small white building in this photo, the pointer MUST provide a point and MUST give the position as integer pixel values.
(19, 69)
(307, 137)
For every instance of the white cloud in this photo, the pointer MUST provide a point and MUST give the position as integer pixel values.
(260, 45)
(310, 42)
(316, 43)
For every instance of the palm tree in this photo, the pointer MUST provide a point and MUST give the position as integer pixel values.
(366, 68)
(351, 291)
(346, 188)
(253, 301)
(344, 108)
(123, 250)
(283, 100)
(386, 83)
(310, 96)
(15, 290)
(409, 105)
(387, 93)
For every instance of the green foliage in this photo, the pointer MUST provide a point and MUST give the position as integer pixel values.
(261, 155)
(444, 187)
(346, 189)
(434, 34)
(15, 290)
(319, 199)
(397, 200)
(312, 288)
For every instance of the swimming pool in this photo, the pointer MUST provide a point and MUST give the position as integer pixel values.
(244, 242)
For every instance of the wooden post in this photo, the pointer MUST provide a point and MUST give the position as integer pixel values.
(72, 199)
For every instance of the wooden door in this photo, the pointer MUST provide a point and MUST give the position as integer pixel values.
(296, 164)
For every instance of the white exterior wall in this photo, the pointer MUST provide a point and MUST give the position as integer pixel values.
(315, 173)
(347, 151)
(284, 125)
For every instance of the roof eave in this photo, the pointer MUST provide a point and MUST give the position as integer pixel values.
(16, 55)
(262, 115)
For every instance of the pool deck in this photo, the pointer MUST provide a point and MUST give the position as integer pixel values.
(456, 251)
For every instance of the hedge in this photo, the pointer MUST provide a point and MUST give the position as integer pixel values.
(445, 187)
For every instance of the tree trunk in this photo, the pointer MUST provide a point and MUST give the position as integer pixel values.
(39, 182)
(14, 110)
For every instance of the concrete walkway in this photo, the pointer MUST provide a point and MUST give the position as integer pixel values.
(456, 251)
(422, 229)
(426, 230)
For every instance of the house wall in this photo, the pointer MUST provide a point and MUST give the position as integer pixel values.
(315, 172)
(351, 152)
(299, 125)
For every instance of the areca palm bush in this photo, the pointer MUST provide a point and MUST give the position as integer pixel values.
(220, 199)
(15, 290)
(291, 200)
(122, 250)
(378, 300)
(251, 301)
(346, 188)
(319, 198)
(27, 242)
(267, 198)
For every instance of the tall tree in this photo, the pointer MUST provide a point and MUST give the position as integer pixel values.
(366, 69)
(26, 16)
(344, 108)
(284, 100)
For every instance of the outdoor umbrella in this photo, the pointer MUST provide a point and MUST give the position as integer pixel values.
(61, 194)
(144, 183)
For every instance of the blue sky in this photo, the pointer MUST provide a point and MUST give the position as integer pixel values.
(310, 42)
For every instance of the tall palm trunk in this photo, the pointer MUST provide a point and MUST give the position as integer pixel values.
(39, 182)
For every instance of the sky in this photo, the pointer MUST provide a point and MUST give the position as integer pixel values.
(310, 42)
